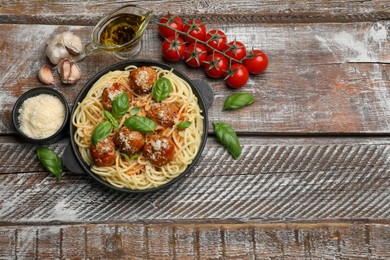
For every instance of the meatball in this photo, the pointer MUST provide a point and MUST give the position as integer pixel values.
(159, 149)
(141, 80)
(128, 141)
(111, 92)
(163, 113)
(104, 152)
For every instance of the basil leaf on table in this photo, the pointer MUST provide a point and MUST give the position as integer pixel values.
(51, 161)
(238, 100)
(183, 125)
(101, 131)
(111, 118)
(161, 89)
(141, 124)
(228, 137)
(120, 105)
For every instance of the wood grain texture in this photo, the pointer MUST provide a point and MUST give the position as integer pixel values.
(197, 241)
(312, 182)
(276, 179)
(246, 11)
(322, 78)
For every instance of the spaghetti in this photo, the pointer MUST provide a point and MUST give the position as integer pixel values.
(140, 173)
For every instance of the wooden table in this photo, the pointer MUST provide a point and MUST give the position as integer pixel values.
(313, 181)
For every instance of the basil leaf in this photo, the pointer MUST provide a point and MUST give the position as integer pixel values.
(133, 157)
(183, 125)
(120, 105)
(134, 111)
(238, 100)
(161, 89)
(228, 137)
(111, 118)
(101, 131)
(51, 161)
(129, 158)
(141, 124)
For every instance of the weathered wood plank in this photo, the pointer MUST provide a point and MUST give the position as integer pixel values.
(322, 78)
(275, 179)
(213, 241)
(222, 11)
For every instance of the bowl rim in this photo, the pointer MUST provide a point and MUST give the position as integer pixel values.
(121, 66)
(32, 93)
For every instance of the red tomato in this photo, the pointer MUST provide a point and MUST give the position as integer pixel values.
(196, 29)
(195, 54)
(236, 50)
(256, 61)
(216, 39)
(216, 65)
(173, 48)
(172, 21)
(237, 76)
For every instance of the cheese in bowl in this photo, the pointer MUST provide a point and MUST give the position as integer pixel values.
(41, 115)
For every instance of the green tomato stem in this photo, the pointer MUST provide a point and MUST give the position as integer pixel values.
(200, 41)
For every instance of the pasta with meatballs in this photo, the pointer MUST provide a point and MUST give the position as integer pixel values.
(129, 156)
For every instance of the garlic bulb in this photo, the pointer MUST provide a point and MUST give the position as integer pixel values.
(62, 45)
(55, 50)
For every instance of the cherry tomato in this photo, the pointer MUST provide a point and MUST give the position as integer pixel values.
(256, 61)
(237, 76)
(196, 29)
(236, 50)
(195, 54)
(172, 21)
(216, 39)
(173, 48)
(216, 65)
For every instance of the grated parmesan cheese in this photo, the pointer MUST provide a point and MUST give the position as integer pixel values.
(41, 116)
(125, 140)
(113, 94)
(142, 79)
(159, 144)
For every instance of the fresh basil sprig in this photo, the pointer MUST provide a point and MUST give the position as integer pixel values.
(111, 118)
(141, 124)
(183, 125)
(101, 131)
(51, 161)
(228, 137)
(238, 100)
(120, 105)
(161, 89)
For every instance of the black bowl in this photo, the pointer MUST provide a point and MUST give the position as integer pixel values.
(72, 157)
(32, 93)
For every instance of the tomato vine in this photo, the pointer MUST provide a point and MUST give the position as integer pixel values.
(191, 38)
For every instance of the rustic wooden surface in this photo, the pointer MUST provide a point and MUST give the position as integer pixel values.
(312, 183)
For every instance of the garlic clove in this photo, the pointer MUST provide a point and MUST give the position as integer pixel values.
(69, 72)
(45, 75)
(72, 43)
(65, 69)
(75, 73)
(73, 51)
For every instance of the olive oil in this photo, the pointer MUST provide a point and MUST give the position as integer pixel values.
(120, 29)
